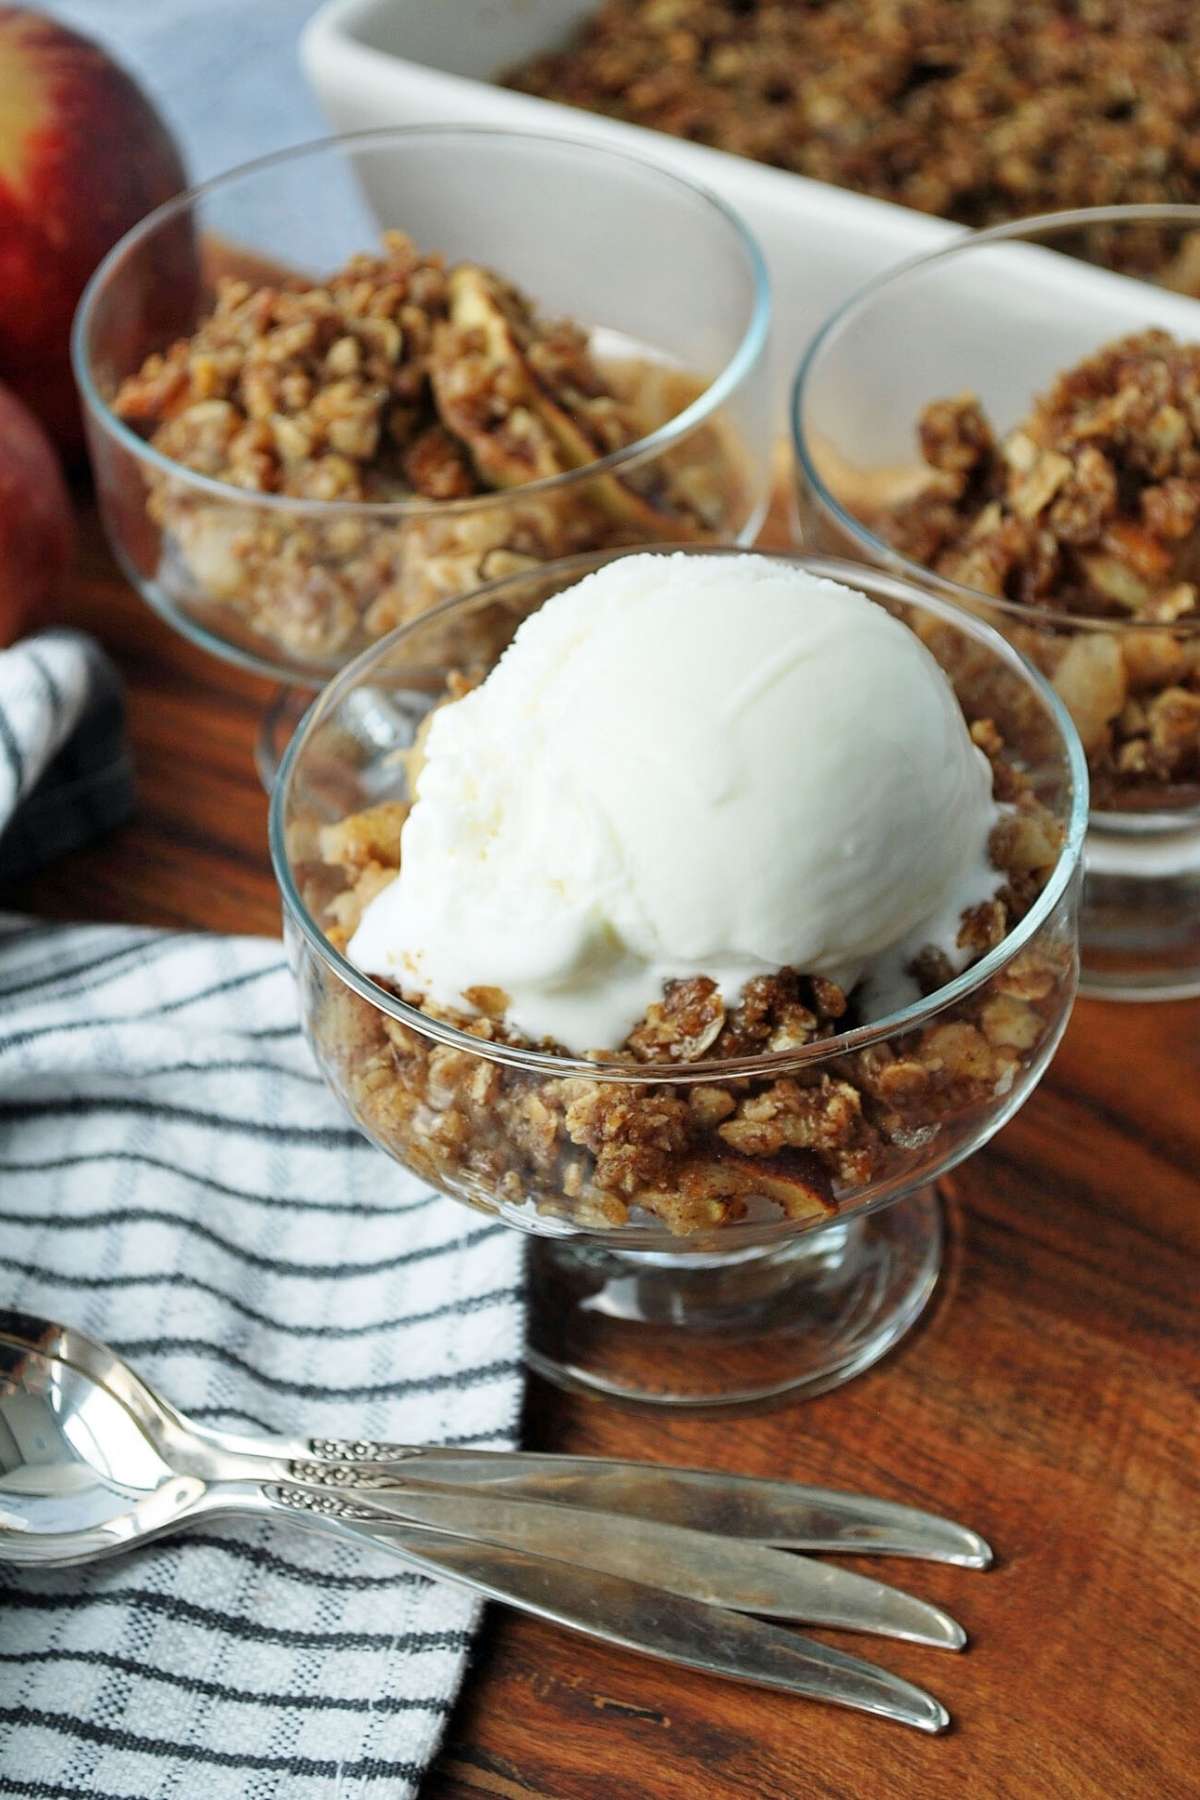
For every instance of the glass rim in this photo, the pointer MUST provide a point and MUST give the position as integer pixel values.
(716, 392)
(877, 548)
(545, 1062)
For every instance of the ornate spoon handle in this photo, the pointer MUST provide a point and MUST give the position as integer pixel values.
(782, 1513)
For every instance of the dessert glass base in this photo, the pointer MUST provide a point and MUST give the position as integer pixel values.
(277, 729)
(708, 1331)
(1140, 921)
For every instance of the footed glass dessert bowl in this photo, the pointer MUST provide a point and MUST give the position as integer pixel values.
(331, 388)
(1013, 424)
(735, 1199)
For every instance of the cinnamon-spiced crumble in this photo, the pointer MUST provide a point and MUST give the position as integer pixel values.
(980, 110)
(401, 380)
(693, 1154)
(1089, 508)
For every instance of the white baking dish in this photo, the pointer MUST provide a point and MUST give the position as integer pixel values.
(393, 62)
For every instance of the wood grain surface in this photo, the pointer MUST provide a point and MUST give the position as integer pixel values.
(1049, 1398)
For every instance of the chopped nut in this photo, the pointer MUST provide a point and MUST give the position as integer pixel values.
(437, 465)
(960, 1051)
(1115, 448)
(830, 1000)
(1143, 552)
(1174, 718)
(397, 379)
(982, 927)
(491, 1001)
(685, 1025)
(986, 737)
(1010, 1022)
(698, 1153)
(1153, 658)
(955, 436)
(1086, 498)
(1039, 483)
(710, 1105)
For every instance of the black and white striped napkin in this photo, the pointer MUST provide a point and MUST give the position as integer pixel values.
(175, 1179)
(65, 772)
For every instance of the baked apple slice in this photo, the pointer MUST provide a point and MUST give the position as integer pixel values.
(517, 426)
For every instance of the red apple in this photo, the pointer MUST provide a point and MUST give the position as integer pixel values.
(83, 156)
(36, 531)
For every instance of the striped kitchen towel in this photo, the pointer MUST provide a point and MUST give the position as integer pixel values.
(65, 773)
(175, 1179)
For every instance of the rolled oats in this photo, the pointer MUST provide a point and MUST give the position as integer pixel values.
(980, 110)
(1091, 507)
(694, 1155)
(398, 380)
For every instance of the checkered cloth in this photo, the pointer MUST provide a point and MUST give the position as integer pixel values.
(176, 1179)
(65, 773)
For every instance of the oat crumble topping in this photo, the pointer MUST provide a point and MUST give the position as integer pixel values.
(1091, 506)
(399, 379)
(692, 1156)
(980, 110)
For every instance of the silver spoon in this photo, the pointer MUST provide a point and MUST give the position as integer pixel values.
(745, 1508)
(92, 1462)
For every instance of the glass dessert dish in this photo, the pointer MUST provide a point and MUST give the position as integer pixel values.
(1013, 423)
(707, 1226)
(333, 387)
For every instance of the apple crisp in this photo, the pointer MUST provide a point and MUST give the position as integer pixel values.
(399, 380)
(690, 1153)
(1090, 507)
(979, 110)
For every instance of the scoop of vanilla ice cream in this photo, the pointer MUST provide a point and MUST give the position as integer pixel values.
(683, 765)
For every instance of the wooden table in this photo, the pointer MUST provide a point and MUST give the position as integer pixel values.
(1049, 1398)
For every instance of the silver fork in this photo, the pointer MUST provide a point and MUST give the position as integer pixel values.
(661, 1561)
